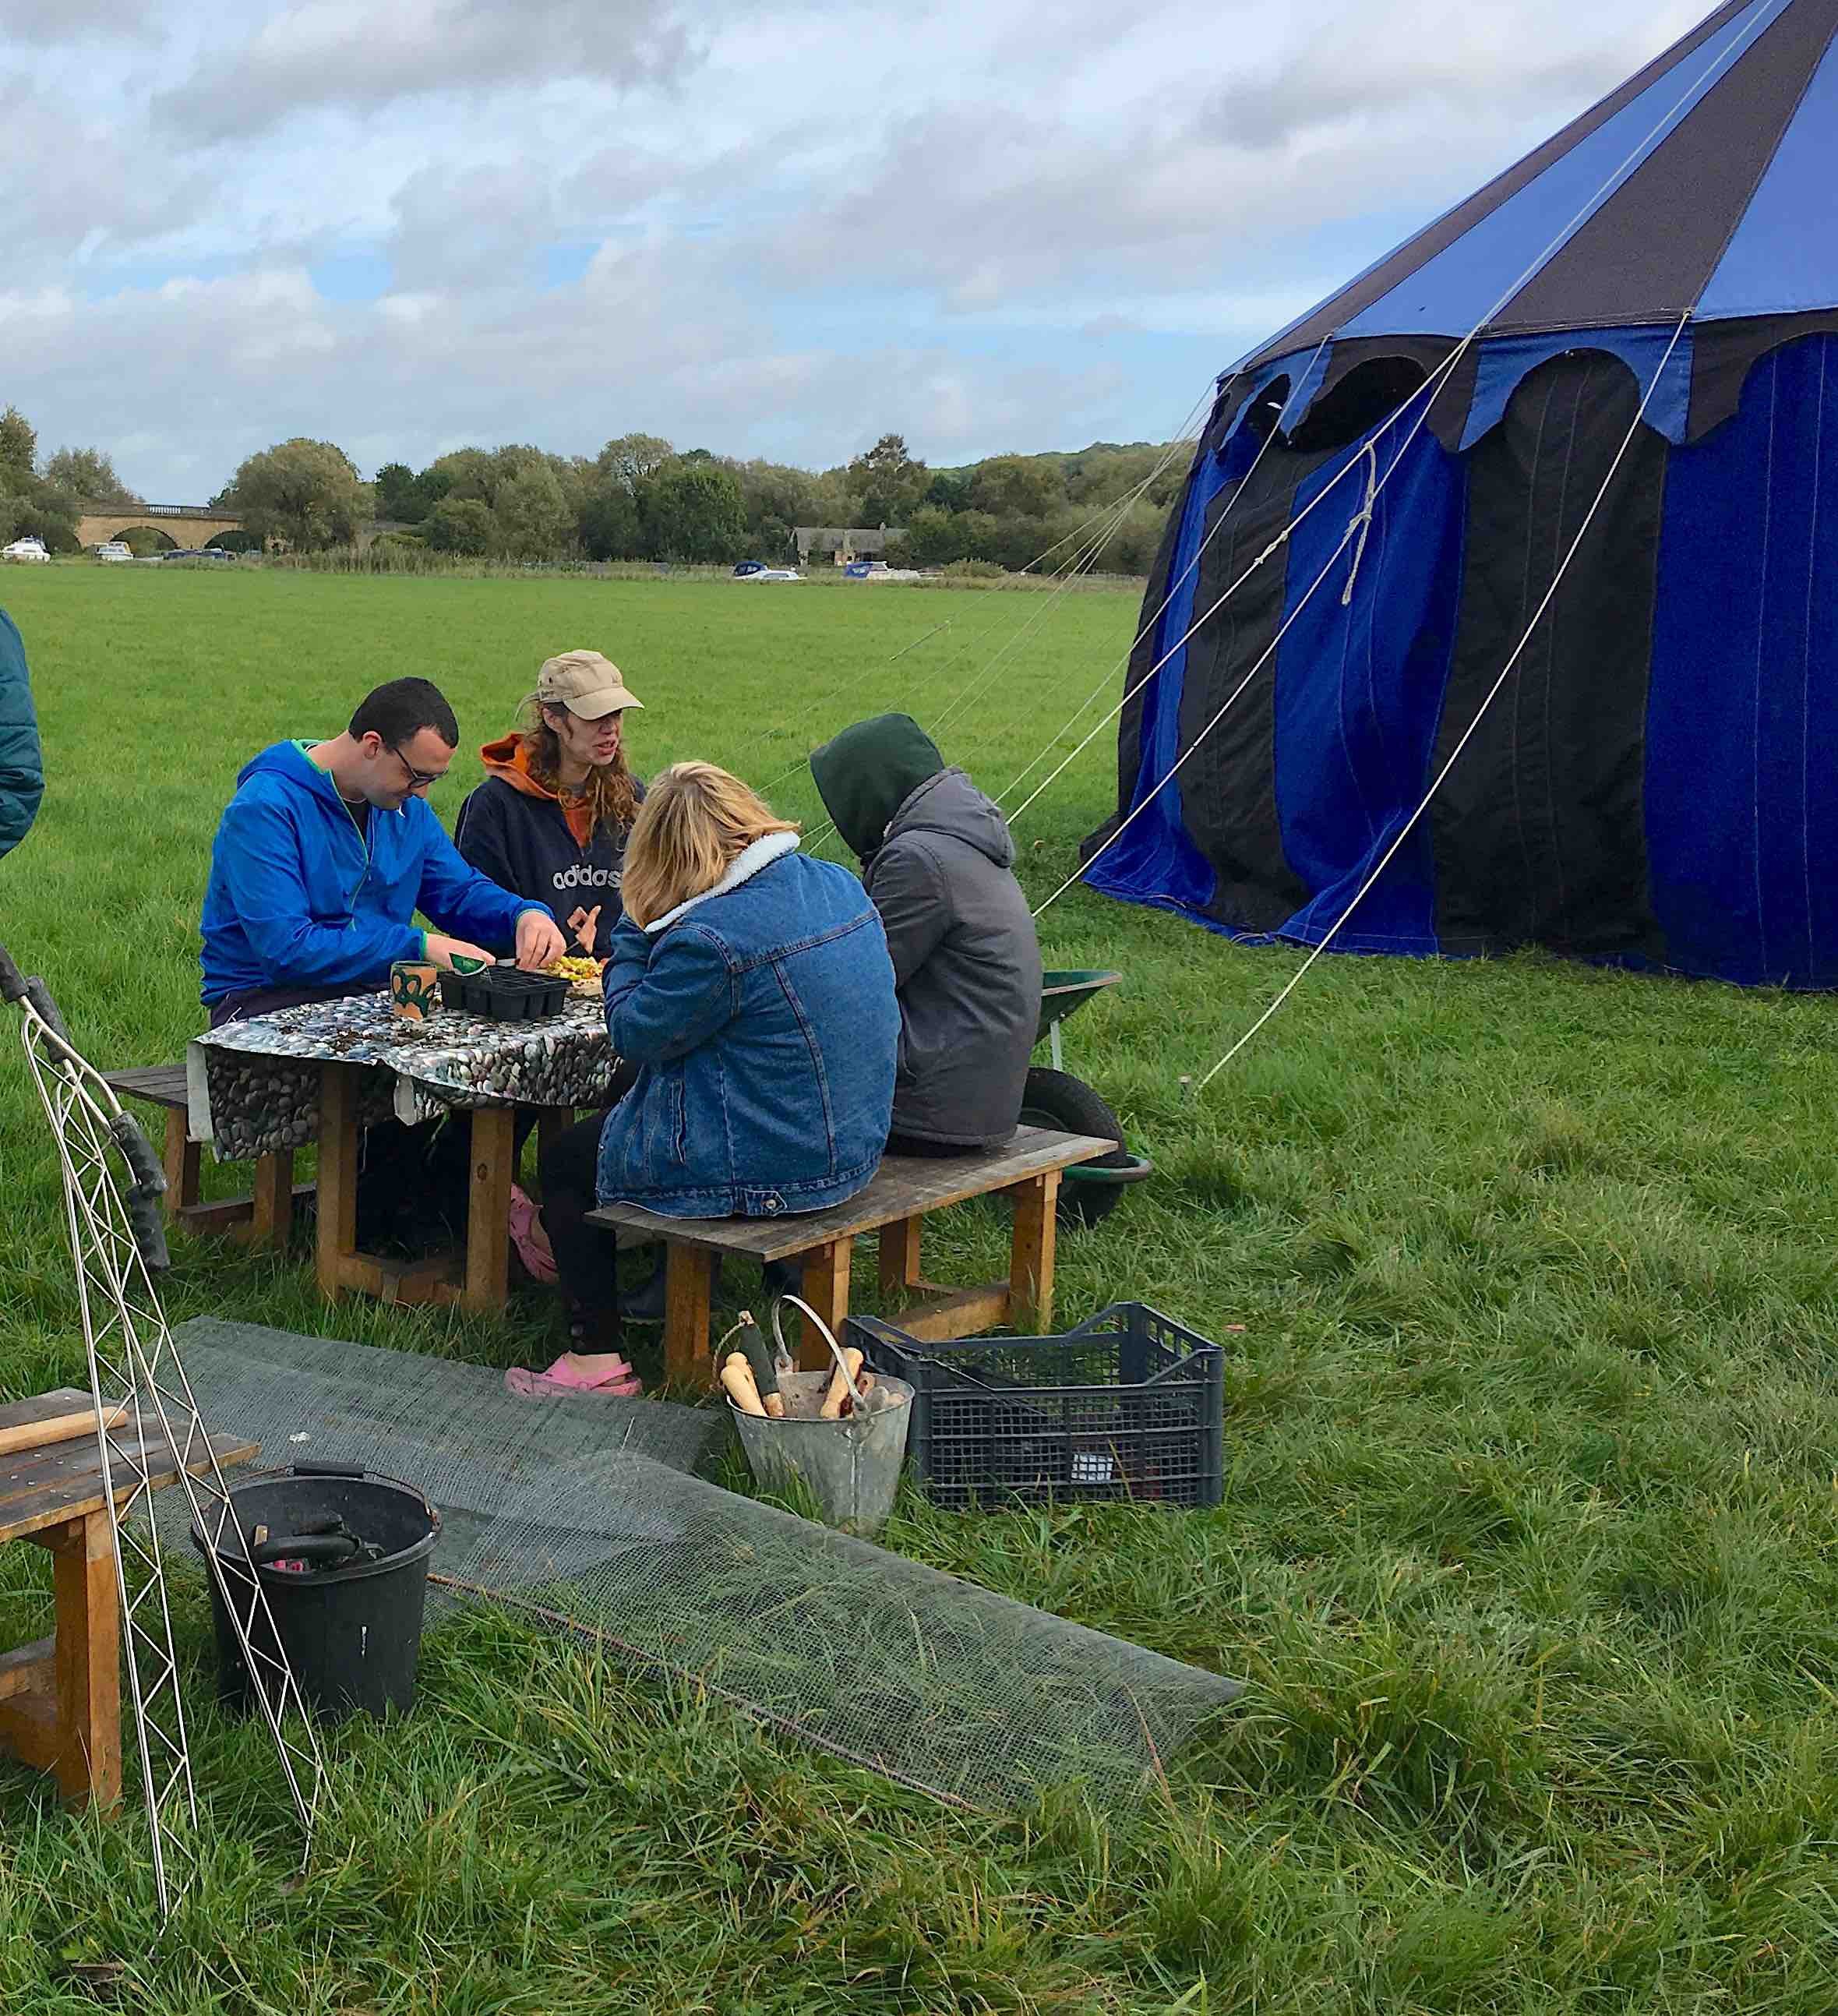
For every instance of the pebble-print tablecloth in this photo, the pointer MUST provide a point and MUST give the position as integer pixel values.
(253, 1086)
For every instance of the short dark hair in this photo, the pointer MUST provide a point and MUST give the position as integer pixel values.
(399, 710)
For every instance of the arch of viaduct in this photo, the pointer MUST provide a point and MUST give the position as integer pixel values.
(185, 524)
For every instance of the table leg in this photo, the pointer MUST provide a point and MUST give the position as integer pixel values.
(899, 1244)
(1031, 1255)
(826, 1288)
(487, 1227)
(338, 1175)
(181, 1159)
(272, 1221)
(88, 1661)
(688, 1288)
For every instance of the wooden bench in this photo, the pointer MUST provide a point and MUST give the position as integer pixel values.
(265, 1217)
(905, 1189)
(60, 1697)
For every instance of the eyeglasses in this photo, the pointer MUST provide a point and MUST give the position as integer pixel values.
(418, 780)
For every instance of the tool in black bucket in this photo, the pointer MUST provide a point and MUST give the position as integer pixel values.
(342, 1555)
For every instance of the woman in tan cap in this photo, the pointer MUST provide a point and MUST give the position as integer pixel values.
(550, 823)
(551, 820)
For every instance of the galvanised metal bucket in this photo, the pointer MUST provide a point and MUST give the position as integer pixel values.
(850, 1467)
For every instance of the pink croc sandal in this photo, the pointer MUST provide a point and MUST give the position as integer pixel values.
(529, 1238)
(624, 1383)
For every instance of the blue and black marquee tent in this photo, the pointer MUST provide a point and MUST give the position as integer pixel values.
(1656, 782)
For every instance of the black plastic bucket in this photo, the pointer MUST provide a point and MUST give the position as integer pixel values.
(349, 1625)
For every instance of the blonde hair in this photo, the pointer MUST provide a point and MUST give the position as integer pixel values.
(695, 823)
(607, 790)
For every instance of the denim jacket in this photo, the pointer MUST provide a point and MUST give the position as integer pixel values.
(763, 1019)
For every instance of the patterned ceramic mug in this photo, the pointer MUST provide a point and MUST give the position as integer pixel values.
(414, 989)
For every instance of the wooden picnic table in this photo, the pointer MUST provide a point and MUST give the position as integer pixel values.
(321, 1073)
(60, 1696)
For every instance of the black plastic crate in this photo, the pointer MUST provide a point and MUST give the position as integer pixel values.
(1129, 1406)
(503, 994)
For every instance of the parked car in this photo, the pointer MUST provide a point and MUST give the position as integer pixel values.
(28, 548)
(749, 567)
(115, 551)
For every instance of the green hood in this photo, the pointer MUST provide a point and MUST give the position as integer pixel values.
(866, 773)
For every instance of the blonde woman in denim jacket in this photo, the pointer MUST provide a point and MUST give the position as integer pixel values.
(750, 986)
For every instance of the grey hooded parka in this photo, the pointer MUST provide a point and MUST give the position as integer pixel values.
(966, 959)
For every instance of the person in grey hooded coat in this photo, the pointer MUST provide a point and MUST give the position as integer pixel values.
(938, 864)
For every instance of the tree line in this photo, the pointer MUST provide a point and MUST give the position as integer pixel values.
(45, 499)
(640, 498)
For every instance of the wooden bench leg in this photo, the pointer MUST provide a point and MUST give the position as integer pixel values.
(899, 1244)
(89, 1658)
(338, 1177)
(271, 1223)
(60, 1704)
(488, 1225)
(181, 1163)
(688, 1289)
(1031, 1255)
(826, 1288)
(926, 1309)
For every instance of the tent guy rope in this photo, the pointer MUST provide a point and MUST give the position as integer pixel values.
(1149, 623)
(1454, 756)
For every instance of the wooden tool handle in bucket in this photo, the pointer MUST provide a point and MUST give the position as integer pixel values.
(842, 1384)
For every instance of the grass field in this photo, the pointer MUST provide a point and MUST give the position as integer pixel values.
(1530, 1548)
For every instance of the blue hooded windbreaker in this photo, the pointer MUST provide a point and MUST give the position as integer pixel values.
(298, 897)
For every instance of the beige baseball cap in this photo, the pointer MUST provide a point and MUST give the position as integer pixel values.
(585, 684)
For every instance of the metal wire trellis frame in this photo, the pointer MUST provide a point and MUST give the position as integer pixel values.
(146, 1415)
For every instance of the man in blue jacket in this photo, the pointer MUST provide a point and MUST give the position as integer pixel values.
(22, 774)
(327, 849)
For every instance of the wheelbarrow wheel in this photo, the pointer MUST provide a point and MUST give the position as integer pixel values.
(1057, 1100)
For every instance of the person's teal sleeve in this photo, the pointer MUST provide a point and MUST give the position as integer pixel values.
(22, 764)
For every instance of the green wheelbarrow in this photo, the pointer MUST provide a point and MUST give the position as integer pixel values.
(1054, 1098)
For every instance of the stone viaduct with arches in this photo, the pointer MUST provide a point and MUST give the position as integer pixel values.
(185, 524)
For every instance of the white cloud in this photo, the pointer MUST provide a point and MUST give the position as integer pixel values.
(769, 230)
(360, 56)
(1369, 67)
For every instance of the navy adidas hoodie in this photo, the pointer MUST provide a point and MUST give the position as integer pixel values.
(523, 842)
(299, 896)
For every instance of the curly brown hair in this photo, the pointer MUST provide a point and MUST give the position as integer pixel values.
(608, 792)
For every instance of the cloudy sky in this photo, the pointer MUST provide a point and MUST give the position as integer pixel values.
(405, 225)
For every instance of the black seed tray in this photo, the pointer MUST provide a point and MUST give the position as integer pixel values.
(501, 994)
(1128, 1406)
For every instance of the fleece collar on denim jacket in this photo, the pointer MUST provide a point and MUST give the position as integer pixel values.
(747, 863)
